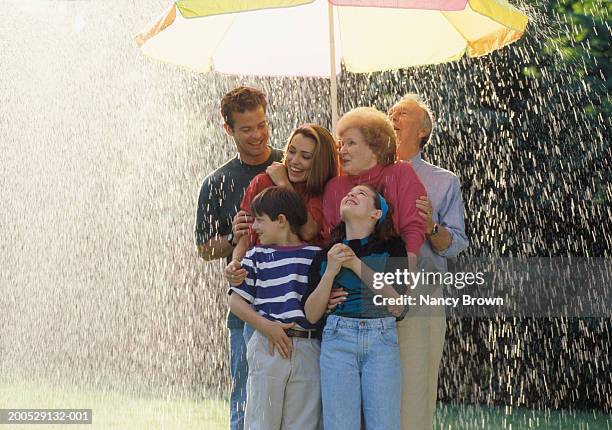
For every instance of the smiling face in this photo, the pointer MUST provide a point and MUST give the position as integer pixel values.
(267, 229)
(356, 156)
(359, 204)
(410, 125)
(250, 132)
(298, 157)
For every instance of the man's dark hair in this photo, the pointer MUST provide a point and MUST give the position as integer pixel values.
(240, 100)
(274, 201)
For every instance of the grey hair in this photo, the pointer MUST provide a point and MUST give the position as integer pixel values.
(428, 121)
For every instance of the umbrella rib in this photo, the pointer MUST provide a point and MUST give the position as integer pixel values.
(452, 24)
(221, 41)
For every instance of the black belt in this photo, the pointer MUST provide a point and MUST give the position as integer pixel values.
(306, 334)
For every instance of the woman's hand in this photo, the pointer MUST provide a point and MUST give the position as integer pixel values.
(337, 296)
(278, 173)
(234, 273)
(241, 224)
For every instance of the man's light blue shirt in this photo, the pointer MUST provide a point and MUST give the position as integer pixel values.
(444, 192)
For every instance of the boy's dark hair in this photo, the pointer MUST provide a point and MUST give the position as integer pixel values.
(274, 201)
(383, 231)
(240, 100)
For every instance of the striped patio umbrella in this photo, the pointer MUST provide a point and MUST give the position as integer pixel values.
(313, 37)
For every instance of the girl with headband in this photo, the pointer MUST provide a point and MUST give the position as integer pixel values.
(360, 362)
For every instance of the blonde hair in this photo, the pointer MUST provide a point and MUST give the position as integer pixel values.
(376, 130)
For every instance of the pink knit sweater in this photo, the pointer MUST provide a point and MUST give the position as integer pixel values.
(398, 184)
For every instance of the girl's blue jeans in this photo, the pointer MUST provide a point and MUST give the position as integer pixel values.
(360, 371)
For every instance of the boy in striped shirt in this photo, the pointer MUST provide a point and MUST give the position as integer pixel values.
(283, 386)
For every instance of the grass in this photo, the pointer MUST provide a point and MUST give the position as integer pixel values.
(119, 411)
(468, 417)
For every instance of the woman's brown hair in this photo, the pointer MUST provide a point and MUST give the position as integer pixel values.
(324, 158)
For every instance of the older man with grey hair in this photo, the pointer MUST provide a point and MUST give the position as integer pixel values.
(421, 333)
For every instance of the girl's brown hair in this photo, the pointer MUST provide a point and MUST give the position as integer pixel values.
(383, 231)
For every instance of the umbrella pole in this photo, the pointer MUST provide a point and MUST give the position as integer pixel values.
(333, 91)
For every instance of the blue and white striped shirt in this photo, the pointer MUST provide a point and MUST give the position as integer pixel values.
(277, 278)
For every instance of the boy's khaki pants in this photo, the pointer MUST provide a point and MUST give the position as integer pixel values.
(283, 393)
(421, 341)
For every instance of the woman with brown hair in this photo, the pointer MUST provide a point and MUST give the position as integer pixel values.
(310, 161)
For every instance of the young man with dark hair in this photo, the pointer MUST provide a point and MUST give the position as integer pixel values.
(244, 113)
(284, 384)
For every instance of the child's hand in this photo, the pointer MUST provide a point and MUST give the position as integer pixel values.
(234, 273)
(353, 262)
(275, 332)
(337, 256)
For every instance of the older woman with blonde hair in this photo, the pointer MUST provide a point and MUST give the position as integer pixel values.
(368, 156)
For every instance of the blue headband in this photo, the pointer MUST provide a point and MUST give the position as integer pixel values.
(383, 207)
